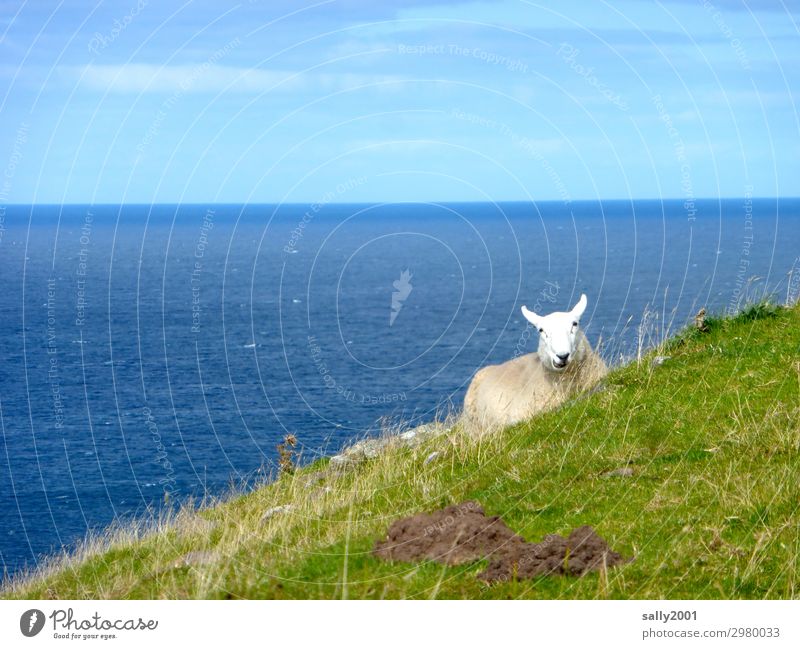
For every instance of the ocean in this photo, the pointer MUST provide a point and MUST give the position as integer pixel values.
(154, 353)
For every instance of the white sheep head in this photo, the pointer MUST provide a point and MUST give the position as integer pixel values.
(559, 335)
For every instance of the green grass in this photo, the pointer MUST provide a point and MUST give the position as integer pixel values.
(711, 511)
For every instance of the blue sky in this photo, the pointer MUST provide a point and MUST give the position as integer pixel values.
(355, 100)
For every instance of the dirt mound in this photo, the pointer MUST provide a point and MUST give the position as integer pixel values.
(463, 533)
(581, 552)
(453, 535)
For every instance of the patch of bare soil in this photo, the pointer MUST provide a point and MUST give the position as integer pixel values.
(462, 533)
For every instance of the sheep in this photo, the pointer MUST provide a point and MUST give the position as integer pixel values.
(565, 364)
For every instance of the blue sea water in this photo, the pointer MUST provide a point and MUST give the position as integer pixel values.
(168, 349)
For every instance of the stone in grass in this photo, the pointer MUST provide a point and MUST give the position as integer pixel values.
(659, 360)
(419, 434)
(342, 462)
(622, 472)
(367, 449)
(431, 457)
(274, 511)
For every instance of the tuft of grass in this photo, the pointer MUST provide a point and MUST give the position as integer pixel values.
(758, 311)
(708, 504)
(706, 324)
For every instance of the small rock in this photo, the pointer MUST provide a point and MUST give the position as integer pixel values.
(417, 435)
(431, 457)
(659, 360)
(372, 448)
(274, 511)
(341, 462)
(622, 472)
(427, 430)
(366, 449)
(354, 451)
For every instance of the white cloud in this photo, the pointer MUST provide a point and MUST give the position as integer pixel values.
(394, 146)
(137, 78)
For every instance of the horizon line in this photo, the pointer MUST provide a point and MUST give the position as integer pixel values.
(417, 202)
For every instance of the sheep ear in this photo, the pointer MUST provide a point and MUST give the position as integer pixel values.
(531, 317)
(579, 308)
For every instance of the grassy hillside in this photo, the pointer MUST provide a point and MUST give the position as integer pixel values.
(691, 466)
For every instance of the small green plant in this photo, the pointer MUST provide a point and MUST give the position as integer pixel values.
(758, 311)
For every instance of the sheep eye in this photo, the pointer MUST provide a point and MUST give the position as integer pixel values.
(541, 331)
(574, 324)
